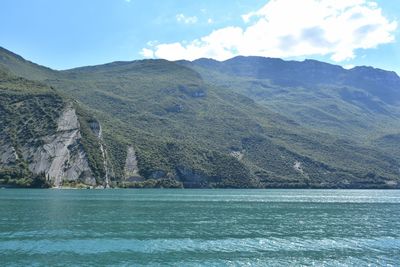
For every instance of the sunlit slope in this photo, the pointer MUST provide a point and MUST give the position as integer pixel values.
(186, 126)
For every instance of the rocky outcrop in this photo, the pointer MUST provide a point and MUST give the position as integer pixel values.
(190, 178)
(237, 154)
(297, 167)
(193, 90)
(131, 165)
(60, 156)
(8, 155)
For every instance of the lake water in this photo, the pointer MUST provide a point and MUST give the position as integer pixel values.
(199, 227)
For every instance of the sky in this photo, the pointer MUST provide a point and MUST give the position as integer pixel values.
(65, 34)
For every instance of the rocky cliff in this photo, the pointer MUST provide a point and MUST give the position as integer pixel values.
(40, 137)
(244, 123)
(61, 157)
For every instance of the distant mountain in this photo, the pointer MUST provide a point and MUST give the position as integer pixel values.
(245, 122)
(379, 83)
(361, 103)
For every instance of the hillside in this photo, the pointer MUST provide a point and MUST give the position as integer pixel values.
(361, 103)
(45, 139)
(22, 67)
(168, 124)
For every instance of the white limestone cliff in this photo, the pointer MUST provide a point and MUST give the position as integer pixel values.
(60, 155)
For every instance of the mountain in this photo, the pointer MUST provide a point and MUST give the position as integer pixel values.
(24, 68)
(156, 123)
(359, 104)
(44, 138)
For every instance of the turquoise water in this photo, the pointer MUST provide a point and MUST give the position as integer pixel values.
(199, 227)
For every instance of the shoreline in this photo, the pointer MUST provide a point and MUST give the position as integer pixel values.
(191, 188)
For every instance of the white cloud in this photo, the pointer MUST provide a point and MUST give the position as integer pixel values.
(147, 53)
(187, 20)
(348, 66)
(210, 21)
(287, 28)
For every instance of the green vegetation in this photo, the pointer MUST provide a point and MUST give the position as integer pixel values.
(90, 142)
(198, 125)
(26, 180)
(321, 97)
(151, 183)
(28, 111)
(21, 67)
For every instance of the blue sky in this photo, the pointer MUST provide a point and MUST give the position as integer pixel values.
(70, 33)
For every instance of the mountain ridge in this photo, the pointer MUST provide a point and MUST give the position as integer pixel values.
(6, 51)
(172, 124)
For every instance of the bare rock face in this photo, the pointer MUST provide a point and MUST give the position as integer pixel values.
(68, 120)
(61, 157)
(8, 154)
(131, 165)
(237, 154)
(297, 167)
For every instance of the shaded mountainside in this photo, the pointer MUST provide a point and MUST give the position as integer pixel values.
(201, 124)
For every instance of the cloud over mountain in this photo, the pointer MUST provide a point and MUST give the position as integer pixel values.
(286, 28)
